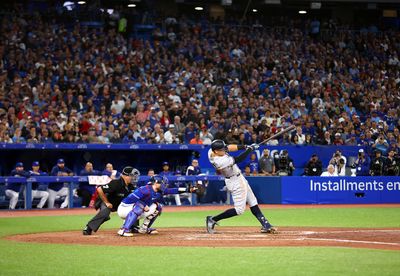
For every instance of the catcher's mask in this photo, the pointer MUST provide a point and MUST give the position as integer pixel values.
(132, 173)
(161, 180)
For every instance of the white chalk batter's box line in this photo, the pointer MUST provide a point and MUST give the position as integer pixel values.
(229, 236)
(296, 239)
(305, 233)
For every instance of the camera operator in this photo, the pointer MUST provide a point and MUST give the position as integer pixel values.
(313, 167)
(285, 164)
(362, 164)
(377, 164)
(339, 163)
(340, 168)
(392, 163)
(336, 157)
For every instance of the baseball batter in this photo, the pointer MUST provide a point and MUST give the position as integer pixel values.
(236, 184)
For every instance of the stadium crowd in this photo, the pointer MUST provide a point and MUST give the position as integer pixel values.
(194, 82)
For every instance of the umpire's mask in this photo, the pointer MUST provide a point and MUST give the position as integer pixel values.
(132, 173)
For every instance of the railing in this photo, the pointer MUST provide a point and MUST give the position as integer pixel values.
(71, 180)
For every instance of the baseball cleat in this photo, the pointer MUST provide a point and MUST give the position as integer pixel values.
(210, 224)
(149, 231)
(87, 231)
(269, 230)
(124, 233)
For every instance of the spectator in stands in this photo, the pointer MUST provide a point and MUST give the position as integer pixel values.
(253, 164)
(59, 188)
(85, 190)
(330, 171)
(301, 138)
(247, 170)
(13, 189)
(17, 138)
(170, 135)
(362, 163)
(381, 144)
(267, 164)
(200, 86)
(313, 166)
(103, 138)
(36, 193)
(196, 140)
(205, 135)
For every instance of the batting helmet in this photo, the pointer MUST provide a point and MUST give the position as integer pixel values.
(132, 172)
(218, 145)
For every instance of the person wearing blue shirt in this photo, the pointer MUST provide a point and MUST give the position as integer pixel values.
(36, 193)
(165, 173)
(12, 190)
(362, 163)
(254, 163)
(85, 190)
(144, 203)
(109, 171)
(57, 188)
(165, 170)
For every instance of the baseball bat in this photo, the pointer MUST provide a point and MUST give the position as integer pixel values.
(292, 127)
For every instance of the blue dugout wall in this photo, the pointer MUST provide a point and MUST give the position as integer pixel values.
(269, 190)
(143, 156)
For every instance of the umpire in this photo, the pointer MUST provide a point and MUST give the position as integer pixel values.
(110, 196)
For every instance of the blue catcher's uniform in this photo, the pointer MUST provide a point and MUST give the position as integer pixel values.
(132, 207)
(147, 196)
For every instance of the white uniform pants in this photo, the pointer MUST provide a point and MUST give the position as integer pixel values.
(53, 194)
(13, 195)
(124, 209)
(43, 195)
(241, 193)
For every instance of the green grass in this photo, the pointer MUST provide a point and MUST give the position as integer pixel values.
(53, 259)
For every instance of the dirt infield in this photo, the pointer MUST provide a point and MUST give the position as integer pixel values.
(230, 237)
(382, 238)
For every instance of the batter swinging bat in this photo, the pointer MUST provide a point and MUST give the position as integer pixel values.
(292, 127)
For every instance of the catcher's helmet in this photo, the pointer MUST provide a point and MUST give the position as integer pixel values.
(132, 172)
(218, 145)
(159, 179)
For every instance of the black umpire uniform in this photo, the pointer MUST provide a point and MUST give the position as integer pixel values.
(114, 192)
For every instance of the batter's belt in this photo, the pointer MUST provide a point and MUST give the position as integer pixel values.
(235, 175)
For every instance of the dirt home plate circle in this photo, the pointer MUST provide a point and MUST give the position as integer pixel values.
(231, 237)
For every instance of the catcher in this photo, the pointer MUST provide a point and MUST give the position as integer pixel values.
(144, 203)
